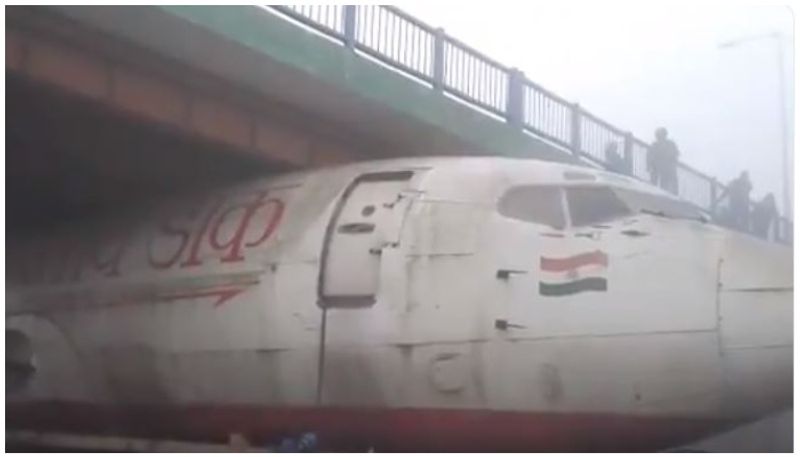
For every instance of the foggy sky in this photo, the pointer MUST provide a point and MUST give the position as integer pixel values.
(644, 65)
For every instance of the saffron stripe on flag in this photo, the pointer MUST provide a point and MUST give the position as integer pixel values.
(573, 262)
(572, 287)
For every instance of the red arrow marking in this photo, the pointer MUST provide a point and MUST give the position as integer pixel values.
(222, 295)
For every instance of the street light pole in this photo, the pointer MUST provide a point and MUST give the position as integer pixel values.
(778, 37)
(787, 203)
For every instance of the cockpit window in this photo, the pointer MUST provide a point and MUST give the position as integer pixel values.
(588, 205)
(537, 204)
(655, 204)
(593, 205)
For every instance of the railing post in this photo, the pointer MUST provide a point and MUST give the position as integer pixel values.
(575, 142)
(713, 208)
(516, 96)
(627, 152)
(438, 60)
(349, 26)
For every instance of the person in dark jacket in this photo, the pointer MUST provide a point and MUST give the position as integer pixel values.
(765, 214)
(662, 162)
(739, 195)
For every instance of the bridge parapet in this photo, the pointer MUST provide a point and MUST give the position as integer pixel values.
(431, 57)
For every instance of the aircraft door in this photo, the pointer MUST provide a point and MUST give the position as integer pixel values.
(367, 219)
(362, 267)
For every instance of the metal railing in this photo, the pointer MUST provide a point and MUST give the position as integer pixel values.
(430, 56)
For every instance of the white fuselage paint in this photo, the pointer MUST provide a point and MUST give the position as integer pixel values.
(220, 301)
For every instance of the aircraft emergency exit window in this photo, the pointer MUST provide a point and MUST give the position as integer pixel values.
(537, 204)
(592, 205)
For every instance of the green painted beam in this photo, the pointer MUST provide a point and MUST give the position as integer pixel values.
(291, 45)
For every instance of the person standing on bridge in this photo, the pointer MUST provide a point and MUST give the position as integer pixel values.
(765, 214)
(739, 197)
(662, 162)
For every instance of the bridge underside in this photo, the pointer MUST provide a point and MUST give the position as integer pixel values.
(95, 124)
(69, 158)
(107, 106)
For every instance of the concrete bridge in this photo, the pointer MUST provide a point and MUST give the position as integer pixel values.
(110, 105)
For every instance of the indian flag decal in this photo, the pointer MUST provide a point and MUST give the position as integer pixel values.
(575, 274)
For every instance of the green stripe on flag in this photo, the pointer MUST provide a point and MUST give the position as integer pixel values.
(572, 287)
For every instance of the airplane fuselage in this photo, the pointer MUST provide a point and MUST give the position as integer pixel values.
(414, 304)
